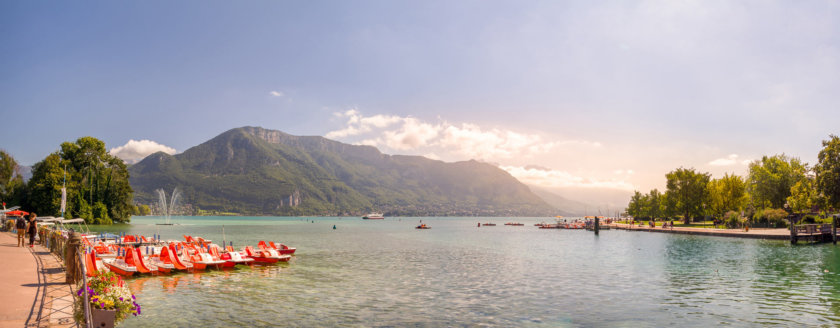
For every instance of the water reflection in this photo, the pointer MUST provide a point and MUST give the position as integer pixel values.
(389, 274)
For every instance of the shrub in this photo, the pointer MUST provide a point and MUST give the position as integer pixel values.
(732, 219)
(776, 217)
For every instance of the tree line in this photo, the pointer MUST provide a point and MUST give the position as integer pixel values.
(97, 183)
(775, 186)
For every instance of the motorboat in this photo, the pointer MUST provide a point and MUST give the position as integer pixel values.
(374, 216)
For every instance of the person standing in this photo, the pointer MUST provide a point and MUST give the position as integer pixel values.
(33, 229)
(20, 225)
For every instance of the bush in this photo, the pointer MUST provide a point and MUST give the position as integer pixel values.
(732, 220)
(776, 217)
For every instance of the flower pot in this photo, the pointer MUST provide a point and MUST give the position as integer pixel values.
(103, 318)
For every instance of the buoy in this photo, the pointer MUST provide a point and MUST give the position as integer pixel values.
(333, 226)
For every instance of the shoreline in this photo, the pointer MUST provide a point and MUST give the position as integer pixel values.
(756, 233)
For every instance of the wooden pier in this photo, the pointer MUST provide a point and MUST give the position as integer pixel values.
(813, 233)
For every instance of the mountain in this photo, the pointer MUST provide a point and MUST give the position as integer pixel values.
(255, 171)
(564, 206)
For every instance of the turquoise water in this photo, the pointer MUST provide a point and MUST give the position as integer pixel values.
(386, 273)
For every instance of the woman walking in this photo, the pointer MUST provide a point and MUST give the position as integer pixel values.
(33, 229)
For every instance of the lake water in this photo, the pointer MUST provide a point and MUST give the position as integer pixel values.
(386, 273)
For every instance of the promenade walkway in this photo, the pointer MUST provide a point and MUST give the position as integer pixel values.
(32, 288)
(756, 233)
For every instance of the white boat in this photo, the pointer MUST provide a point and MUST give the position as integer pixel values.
(374, 216)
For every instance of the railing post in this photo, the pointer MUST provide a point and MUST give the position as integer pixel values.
(71, 257)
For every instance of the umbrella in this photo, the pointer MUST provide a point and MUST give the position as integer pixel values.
(17, 213)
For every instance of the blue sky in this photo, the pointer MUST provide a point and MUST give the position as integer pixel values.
(589, 98)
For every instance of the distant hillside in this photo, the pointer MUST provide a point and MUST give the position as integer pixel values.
(254, 171)
(564, 206)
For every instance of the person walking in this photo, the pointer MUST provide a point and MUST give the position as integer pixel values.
(20, 225)
(33, 229)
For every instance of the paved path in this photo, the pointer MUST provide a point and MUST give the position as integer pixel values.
(757, 233)
(32, 288)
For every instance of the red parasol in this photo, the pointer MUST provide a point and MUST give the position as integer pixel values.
(17, 213)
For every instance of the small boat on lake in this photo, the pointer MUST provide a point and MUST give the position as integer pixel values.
(282, 249)
(233, 258)
(422, 226)
(514, 224)
(488, 224)
(374, 216)
(265, 255)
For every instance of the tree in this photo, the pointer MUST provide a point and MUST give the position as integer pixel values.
(97, 183)
(686, 191)
(771, 178)
(728, 193)
(827, 171)
(11, 182)
(143, 209)
(802, 196)
(45, 186)
(637, 204)
(654, 204)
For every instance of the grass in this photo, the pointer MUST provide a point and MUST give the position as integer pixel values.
(680, 224)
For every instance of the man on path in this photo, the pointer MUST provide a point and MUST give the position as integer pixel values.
(20, 225)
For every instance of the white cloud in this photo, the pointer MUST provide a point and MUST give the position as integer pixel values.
(729, 160)
(446, 140)
(133, 151)
(549, 178)
(276, 93)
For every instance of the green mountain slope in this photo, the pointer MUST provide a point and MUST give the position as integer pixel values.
(254, 171)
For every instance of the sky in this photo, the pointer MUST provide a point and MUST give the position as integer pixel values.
(589, 99)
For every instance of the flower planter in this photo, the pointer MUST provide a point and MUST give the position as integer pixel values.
(103, 318)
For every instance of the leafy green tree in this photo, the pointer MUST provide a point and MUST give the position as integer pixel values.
(143, 209)
(11, 182)
(654, 204)
(686, 191)
(802, 196)
(102, 178)
(45, 186)
(771, 178)
(98, 189)
(637, 204)
(100, 214)
(728, 193)
(827, 171)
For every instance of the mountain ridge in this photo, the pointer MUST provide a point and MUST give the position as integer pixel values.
(256, 171)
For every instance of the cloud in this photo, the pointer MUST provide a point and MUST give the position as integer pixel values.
(729, 160)
(133, 151)
(444, 139)
(276, 93)
(549, 178)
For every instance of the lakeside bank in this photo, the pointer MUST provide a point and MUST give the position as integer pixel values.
(755, 233)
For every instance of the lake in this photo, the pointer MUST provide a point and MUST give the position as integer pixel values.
(386, 273)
